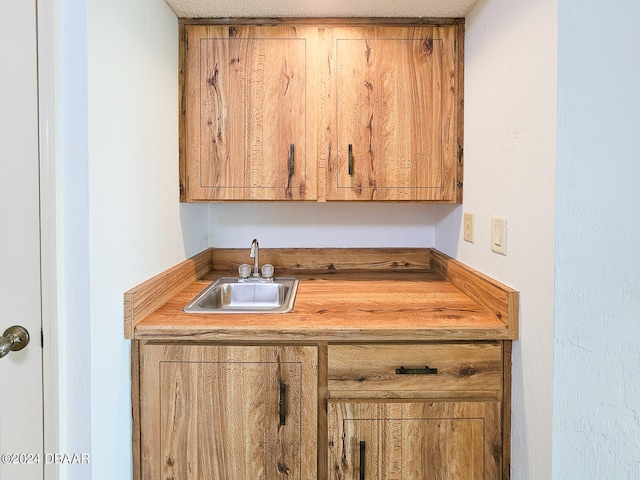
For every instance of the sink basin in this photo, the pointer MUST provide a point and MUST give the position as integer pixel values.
(228, 295)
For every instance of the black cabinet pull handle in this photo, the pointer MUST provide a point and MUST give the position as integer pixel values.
(350, 159)
(283, 403)
(417, 371)
(291, 160)
(362, 447)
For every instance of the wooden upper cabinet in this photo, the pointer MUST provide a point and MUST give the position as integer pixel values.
(249, 123)
(393, 111)
(322, 112)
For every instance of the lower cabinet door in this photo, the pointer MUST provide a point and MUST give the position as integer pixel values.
(414, 440)
(228, 412)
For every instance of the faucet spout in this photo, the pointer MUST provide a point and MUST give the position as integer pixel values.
(254, 253)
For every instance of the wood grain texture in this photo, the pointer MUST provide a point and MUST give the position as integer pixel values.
(415, 440)
(370, 370)
(459, 55)
(328, 260)
(506, 409)
(346, 307)
(250, 88)
(497, 297)
(136, 447)
(359, 314)
(344, 295)
(391, 95)
(251, 95)
(141, 301)
(322, 410)
(214, 412)
(182, 118)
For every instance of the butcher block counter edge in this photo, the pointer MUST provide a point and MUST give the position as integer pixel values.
(487, 310)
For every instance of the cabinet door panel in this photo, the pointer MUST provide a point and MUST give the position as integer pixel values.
(396, 114)
(435, 440)
(220, 412)
(248, 93)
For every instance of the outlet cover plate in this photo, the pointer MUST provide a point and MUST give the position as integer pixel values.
(468, 227)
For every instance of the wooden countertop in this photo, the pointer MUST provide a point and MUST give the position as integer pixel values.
(343, 295)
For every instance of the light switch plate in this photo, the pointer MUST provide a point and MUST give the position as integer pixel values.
(499, 235)
(468, 227)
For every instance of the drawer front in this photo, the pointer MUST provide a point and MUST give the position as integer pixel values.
(415, 370)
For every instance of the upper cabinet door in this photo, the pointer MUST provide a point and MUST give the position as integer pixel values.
(393, 111)
(249, 130)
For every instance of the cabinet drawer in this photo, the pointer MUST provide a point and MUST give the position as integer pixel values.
(437, 369)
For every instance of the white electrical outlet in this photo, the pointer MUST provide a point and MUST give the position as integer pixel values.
(468, 227)
(499, 235)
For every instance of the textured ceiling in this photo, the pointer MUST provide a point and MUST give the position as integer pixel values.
(320, 8)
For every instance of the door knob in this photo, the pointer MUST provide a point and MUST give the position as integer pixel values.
(13, 339)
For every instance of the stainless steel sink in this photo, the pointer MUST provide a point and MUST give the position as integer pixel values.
(230, 295)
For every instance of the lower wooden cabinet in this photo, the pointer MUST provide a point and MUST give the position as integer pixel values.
(414, 411)
(429, 411)
(414, 440)
(228, 412)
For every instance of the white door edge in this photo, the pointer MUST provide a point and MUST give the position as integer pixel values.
(48, 245)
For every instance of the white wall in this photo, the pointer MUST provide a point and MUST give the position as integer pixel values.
(510, 119)
(74, 327)
(136, 226)
(596, 414)
(322, 225)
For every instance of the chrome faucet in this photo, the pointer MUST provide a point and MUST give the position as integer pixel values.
(255, 251)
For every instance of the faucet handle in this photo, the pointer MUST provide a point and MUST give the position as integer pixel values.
(244, 270)
(267, 270)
